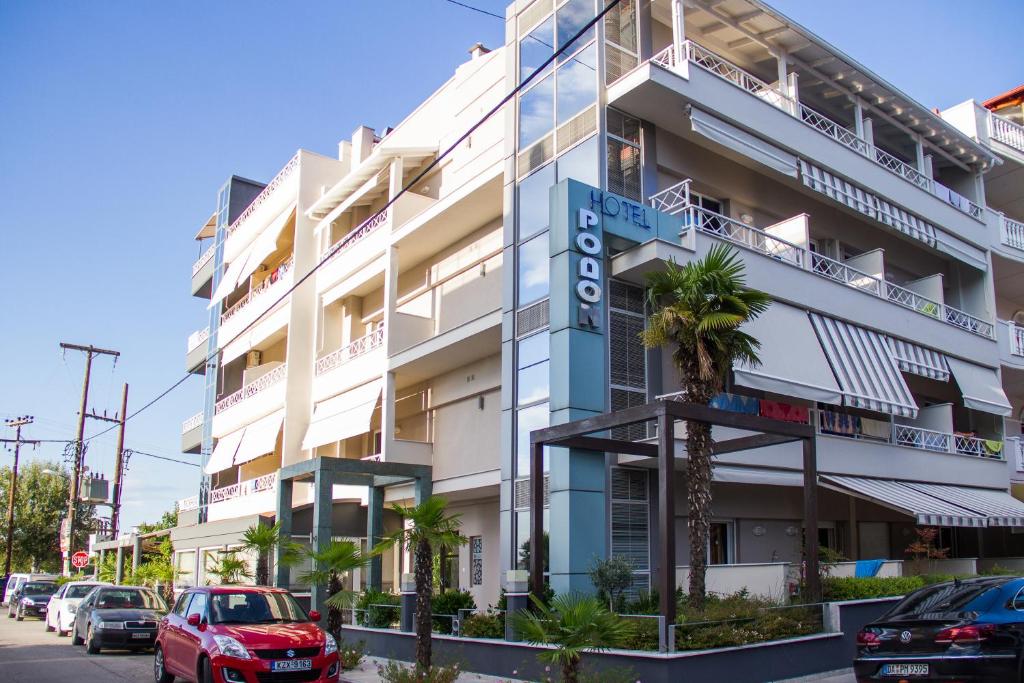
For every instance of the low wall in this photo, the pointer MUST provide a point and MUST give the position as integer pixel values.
(849, 569)
(748, 664)
(954, 565)
(766, 579)
(1014, 563)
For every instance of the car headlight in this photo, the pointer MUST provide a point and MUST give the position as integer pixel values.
(115, 625)
(28, 602)
(231, 647)
(330, 644)
(72, 609)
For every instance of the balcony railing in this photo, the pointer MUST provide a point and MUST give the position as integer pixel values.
(920, 438)
(197, 338)
(271, 283)
(719, 66)
(356, 348)
(253, 388)
(262, 197)
(1015, 450)
(1011, 232)
(190, 503)
(1006, 132)
(204, 259)
(191, 423)
(1016, 339)
(244, 488)
(801, 257)
(357, 235)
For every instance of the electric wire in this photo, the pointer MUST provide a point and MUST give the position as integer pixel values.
(476, 9)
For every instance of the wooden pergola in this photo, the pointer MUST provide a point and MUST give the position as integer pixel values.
(666, 413)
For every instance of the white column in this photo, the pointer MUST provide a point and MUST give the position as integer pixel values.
(929, 165)
(919, 149)
(782, 64)
(869, 132)
(395, 177)
(678, 31)
(858, 117)
(794, 92)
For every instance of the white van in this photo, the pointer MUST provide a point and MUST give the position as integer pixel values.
(16, 581)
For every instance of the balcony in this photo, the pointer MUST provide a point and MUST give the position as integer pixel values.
(250, 307)
(362, 360)
(1011, 344)
(269, 198)
(192, 434)
(249, 497)
(197, 351)
(908, 436)
(256, 399)
(188, 504)
(1007, 132)
(202, 272)
(1011, 232)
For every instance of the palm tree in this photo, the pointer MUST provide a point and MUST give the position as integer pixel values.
(230, 569)
(329, 565)
(263, 540)
(430, 527)
(698, 309)
(573, 623)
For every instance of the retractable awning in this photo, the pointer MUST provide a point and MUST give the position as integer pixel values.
(343, 416)
(866, 370)
(903, 497)
(919, 360)
(724, 474)
(743, 142)
(260, 438)
(999, 507)
(981, 387)
(792, 362)
(223, 455)
(252, 256)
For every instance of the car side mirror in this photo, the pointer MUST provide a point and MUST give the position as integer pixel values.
(193, 620)
(314, 615)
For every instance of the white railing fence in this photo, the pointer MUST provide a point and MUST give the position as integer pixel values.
(244, 488)
(190, 503)
(259, 290)
(191, 423)
(354, 349)
(253, 388)
(197, 338)
(204, 258)
(1006, 132)
(1016, 338)
(265, 193)
(364, 229)
(920, 438)
(1011, 232)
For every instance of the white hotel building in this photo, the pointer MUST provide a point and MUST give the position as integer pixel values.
(423, 350)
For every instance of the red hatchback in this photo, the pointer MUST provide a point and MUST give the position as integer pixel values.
(236, 634)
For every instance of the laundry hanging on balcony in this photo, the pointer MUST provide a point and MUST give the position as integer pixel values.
(344, 416)
(980, 387)
(919, 360)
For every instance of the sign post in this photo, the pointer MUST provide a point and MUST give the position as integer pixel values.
(80, 560)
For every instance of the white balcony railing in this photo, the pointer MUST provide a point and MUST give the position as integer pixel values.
(354, 237)
(1015, 450)
(192, 422)
(356, 348)
(264, 194)
(197, 338)
(1011, 232)
(726, 70)
(1006, 132)
(253, 388)
(1016, 339)
(270, 285)
(204, 259)
(758, 240)
(920, 438)
(244, 488)
(190, 503)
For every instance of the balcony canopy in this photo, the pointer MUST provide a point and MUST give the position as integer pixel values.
(260, 438)
(980, 387)
(1000, 508)
(343, 416)
(918, 360)
(209, 228)
(223, 455)
(252, 256)
(908, 499)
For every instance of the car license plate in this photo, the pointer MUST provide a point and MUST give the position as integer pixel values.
(905, 670)
(291, 665)
(140, 635)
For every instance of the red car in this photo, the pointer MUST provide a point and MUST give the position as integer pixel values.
(241, 634)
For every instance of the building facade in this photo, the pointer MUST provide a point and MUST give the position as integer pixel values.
(442, 311)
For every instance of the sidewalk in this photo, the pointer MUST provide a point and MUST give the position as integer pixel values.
(366, 672)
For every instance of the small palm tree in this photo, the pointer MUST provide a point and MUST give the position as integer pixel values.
(430, 527)
(230, 569)
(329, 565)
(698, 309)
(263, 540)
(574, 623)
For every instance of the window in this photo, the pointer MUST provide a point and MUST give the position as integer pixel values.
(576, 84)
(211, 561)
(720, 540)
(535, 48)
(533, 349)
(580, 163)
(627, 356)
(572, 17)
(185, 565)
(630, 523)
(532, 383)
(182, 604)
(476, 560)
(197, 606)
(624, 164)
(536, 112)
(533, 201)
(620, 35)
(449, 561)
(527, 420)
(533, 269)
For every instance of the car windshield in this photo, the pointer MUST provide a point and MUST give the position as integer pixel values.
(77, 591)
(944, 599)
(129, 598)
(39, 588)
(255, 608)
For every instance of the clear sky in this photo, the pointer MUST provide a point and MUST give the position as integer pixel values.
(120, 119)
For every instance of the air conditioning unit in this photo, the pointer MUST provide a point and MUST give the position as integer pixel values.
(253, 358)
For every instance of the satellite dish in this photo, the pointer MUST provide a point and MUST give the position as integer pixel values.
(1018, 318)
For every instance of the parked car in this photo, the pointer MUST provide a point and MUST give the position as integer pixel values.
(60, 612)
(16, 579)
(31, 599)
(964, 630)
(118, 617)
(243, 635)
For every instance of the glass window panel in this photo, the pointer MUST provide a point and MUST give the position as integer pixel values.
(580, 163)
(577, 84)
(535, 48)
(624, 175)
(532, 383)
(534, 349)
(523, 537)
(528, 420)
(533, 269)
(573, 16)
(625, 127)
(620, 25)
(537, 112)
(533, 201)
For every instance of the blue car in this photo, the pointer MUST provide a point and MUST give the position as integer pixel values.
(964, 630)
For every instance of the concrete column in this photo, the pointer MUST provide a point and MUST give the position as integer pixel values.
(136, 552)
(858, 117)
(869, 131)
(323, 504)
(782, 72)
(423, 489)
(119, 572)
(929, 166)
(407, 603)
(854, 549)
(678, 31)
(374, 530)
(282, 575)
(793, 86)
(517, 594)
(577, 511)
(919, 151)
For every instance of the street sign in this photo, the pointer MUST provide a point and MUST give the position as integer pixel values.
(80, 560)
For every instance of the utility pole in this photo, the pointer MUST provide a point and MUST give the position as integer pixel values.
(17, 423)
(115, 498)
(79, 449)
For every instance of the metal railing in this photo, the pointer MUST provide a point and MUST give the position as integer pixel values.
(1011, 232)
(742, 234)
(264, 194)
(244, 488)
(252, 388)
(190, 503)
(726, 70)
(1016, 335)
(192, 422)
(356, 348)
(1006, 132)
(198, 337)
(364, 229)
(260, 289)
(204, 259)
(909, 436)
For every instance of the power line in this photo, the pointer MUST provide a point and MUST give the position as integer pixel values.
(161, 457)
(476, 9)
(412, 183)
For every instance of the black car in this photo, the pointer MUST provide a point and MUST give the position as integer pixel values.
(970, 630)
(31, 599)
(118, 617)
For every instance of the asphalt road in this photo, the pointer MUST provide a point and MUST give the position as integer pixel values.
(28, 654)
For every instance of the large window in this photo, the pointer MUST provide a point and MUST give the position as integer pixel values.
(621, 53)
(624, 168)
(534, 200)
(630, 528)
(533, 269)
(627, 356)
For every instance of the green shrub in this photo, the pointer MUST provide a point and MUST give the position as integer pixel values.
(371, 614)
(998, 570)
(837, 588)
(766, 625)
(397, 672)
(446, 605)
(643, 636)
(645, 603)
(349, 656)
(484, 625)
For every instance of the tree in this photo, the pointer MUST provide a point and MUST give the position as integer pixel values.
(263, 540)
(168, 520)
(611, 577)
(329, 565)
(430, 526)
(230, 568)
(697, 309)
(574, 623)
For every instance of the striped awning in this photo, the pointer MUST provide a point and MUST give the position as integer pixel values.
(904, 497)
(999, 507)
(867, 372)
(919, 360)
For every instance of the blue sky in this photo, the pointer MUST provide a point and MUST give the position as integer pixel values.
(119, 120)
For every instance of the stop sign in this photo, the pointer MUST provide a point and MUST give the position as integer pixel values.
(80, 560)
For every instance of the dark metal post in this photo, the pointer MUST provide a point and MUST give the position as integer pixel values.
(115, 499)
(667, 517)
(812, 579)
(537, 519)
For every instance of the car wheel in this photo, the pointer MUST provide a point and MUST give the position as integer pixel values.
(205, 671)
(19, 615)
(91, 646)
(75, 638)
(159, 672)
(50, 629)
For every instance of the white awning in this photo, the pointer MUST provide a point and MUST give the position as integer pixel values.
(919, 360)
(343, 416)
(724, 474)
(999, 507)
(981, 387)
(902, 497)
(229, 280)
(223, 455)
(792, 362)
(865, 368)
(743, 142)
(260, 438)
(252, 256)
